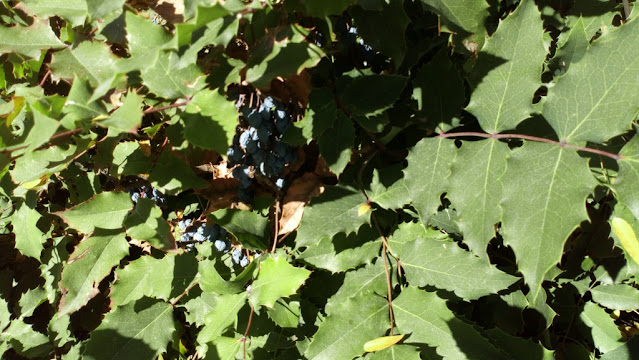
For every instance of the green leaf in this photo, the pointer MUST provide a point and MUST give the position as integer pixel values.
(140, 330)
(409, 232)
(79, 107)
(625, 352)
(428, 166)
(73, 11)
(128, 117)
(368, 279)
(167, 80)
(332, 212)
(518, 348)
(343, 335)
(464, 17)
(475, 190)
(250, 228)
(28, 238)
(616, 296)
(43, 128)
(171, 176)
(90, 262)
(223, 348)
(145, 40)
(31, 300)
(106, 210)
(604, 332)
(388, 188)
(396, 352)
(571, 50)
(158, 278)
(28, 41)
(33, 165)
(210, 121)
(92, 61)
(320, 114)
(212, 281)
(129, 159)
(426, 317)
(335, 143)
(288, 56)
(26, 341)
(442, 102)
(508, 71)
(285, 314)
(446, 266)
(146, 223)
(372, 94)
(199, 307)
(384, 30)
(593, 101)
(343, 252)
(538, 217)
(596, 15)
(626, 185)
(99, 8)
(224, 315)
(218, 32)
(277, 279)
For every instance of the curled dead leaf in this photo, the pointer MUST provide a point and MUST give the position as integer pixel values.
(299, 194)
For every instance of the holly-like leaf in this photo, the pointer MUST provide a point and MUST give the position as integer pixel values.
(343, 335)
(336, 143)
(29, 239)
(167, 80)
(199, 307)
(171, 176)
(475, 191)
(31, 300)
(250, 228)
(446, 266)
(146, 40)
(384, 30)
(28, 40)
(342, 252)
(139, 330)
(409, 232)
(462, 17)
(146, 223)
(616, 296)
(571, 50)
(223, 348)
(98, 8)
(538, 217)
(626, 185)
(396, 352)
(158, 278)
(332, 212)
(285, 313)
(602, 328)
(439, 103)
(508, 71)
(217, 32)
(26, 341)
(518, 348)
(129, 159)
(92, 61)
(277, 279)
(210, 121)
(388, 188)
(106, 210)
(594, 101)
(624, 352)
(596, 15)
(372, 94)
(426, 317)
(224, 314)
(80, 108)
(428, 166)
(43, 127)
(128, 117)
(90, 262)
(288, 56)
(73, 11)
(212, 281)
(368, 279)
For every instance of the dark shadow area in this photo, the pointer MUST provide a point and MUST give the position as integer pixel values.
(109, 344)
(184, 272)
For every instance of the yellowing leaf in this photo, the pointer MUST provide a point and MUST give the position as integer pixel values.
(382, 343)
(626, 236)
(363, 209)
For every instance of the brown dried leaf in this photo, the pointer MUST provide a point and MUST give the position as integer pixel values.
(297, 197)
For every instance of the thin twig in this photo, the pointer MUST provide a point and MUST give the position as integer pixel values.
(277, 224)
(388, 279)
(161, 108)
(532, 138)
(44, 78)
(248, 326)
(626, 9)
(175, 301)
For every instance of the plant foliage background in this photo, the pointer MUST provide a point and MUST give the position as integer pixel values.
(464, 173)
